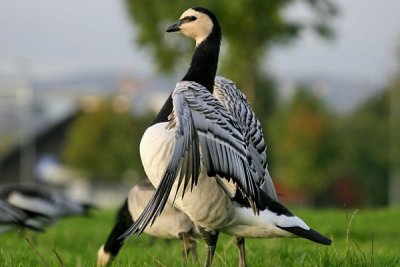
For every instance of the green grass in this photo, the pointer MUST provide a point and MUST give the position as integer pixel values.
(373, 239)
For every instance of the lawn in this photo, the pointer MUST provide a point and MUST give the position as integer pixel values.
(373, 239)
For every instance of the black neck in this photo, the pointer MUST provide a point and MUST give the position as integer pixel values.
(203, 67)
(122, 224)
(162, 116)
(202, 70)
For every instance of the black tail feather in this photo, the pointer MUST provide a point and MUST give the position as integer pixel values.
(32, 227)
(308, 234)
(87, 208)
(35, 214)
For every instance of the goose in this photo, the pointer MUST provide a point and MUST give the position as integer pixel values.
(13, 216)
(37, 199)
(172, 223)
(204, 152)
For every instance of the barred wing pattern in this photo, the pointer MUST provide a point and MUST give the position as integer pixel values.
(236, 103)
(14, 215)
(9, 214)
(200, 121)
(223, 147)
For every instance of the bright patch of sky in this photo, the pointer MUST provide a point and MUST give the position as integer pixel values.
(367, 37)
(58, 37)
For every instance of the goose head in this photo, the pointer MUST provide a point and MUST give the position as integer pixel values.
(197, 23)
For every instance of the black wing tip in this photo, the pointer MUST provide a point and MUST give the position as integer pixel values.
(135, 230)
(88, 207)
(33, 228)
(309, 234)
(35, 214)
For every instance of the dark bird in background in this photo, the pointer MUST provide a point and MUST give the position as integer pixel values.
(11, 216)
(44, 201)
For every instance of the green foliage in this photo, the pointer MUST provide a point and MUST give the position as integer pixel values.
(364, 148)
(394, 129)
(370, 240)
(310, 147)
(302, 143)
(250, 29)
(105, 143)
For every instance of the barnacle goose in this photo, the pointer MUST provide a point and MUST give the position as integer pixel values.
(172, 223)
(204, 152)
(45, 201)
(14, 216)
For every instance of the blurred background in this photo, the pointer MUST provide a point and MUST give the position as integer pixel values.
(80, 81)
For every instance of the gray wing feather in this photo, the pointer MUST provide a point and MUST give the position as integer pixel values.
(222, 144)
(14, 215)
(10, 214)
(236, 103)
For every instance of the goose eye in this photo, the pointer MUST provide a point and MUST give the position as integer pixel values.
(192, 18)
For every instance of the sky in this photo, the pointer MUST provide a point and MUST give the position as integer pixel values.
(59, 37)
(367, 36)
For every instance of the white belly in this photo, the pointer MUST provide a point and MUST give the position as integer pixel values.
(207, 205)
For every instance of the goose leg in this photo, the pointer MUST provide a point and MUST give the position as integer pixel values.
(193, 245)
(211, 238)
(241, 248)
(189, 244)
(151, 241)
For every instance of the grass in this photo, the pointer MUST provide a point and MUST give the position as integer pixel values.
(364, 238)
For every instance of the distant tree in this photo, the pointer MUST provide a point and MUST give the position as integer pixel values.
(365, 148)
(302, 143)
(394, 137)
(105, 144)
(250, 29)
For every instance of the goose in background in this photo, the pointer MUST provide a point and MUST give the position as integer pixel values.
(204, 155)
(172, 223)
(44, 201)
(11, 216)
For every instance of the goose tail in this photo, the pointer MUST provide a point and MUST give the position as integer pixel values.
(309, 234)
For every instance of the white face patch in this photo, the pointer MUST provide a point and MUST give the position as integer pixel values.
(198, 29)
(103, 258)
